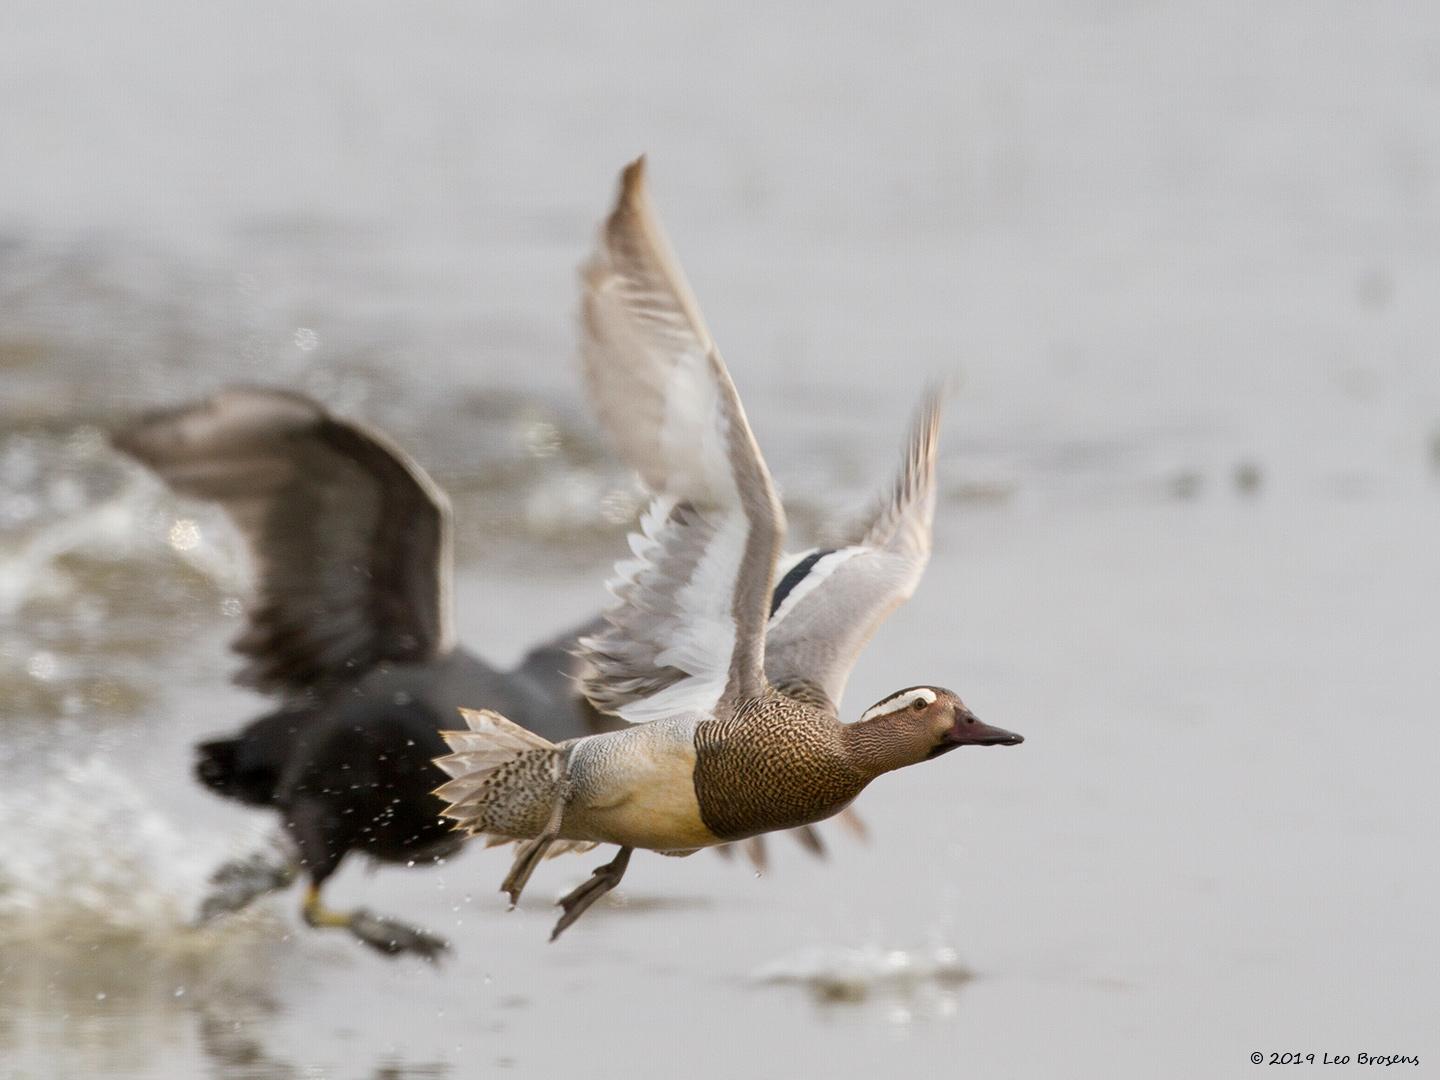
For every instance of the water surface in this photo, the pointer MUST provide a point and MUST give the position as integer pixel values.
(1183, 263)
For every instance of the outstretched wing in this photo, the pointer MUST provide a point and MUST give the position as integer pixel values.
(829, 602)
(349, 537)
(689, 626)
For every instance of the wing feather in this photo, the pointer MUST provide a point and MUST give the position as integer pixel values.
(350, 538)
(819, 629)
(689, 622)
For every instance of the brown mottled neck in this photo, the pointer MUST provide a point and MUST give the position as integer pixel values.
(886, 743)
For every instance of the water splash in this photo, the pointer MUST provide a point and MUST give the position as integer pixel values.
(100, 570)
(88, 857)
(918, 980)
(98, 889)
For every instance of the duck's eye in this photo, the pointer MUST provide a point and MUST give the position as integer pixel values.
(918, 704)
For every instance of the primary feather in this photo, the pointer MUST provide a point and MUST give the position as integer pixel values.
(689, 623)
(351, 539)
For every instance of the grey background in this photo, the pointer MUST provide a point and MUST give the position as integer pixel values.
(1170, 251)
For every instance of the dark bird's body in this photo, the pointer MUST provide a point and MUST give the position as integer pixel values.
(353, 772)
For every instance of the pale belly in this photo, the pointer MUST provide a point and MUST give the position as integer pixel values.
(636, 787)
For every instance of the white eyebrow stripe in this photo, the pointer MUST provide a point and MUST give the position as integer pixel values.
(902, 700)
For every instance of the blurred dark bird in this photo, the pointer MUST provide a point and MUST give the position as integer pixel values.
(350, 628)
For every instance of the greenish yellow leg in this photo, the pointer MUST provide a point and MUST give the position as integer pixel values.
(317, 914)
(389, 936)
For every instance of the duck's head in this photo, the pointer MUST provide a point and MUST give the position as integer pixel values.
(923, 722)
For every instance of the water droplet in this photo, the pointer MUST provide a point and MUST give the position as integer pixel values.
(306, 339)
(184, 535)
(180, 991)
(232, 607)
(100, 996)
(42, 666)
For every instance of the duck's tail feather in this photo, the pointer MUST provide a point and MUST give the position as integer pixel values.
(504, 779)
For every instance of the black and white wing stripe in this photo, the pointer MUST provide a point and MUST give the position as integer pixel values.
(837, 599)
(349, 537)
(689, 628)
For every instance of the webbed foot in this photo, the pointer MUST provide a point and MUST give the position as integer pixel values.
(601, 881)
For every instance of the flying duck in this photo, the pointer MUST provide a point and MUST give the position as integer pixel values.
(733, 685)
(350, 630)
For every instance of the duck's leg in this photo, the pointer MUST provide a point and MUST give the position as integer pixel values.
(601, 881)
(526, 859)
(533, 851)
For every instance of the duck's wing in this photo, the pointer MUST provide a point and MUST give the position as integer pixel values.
(350, 539)
(828, 603)
(688, 629)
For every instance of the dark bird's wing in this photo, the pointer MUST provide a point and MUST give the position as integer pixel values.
(350, 539)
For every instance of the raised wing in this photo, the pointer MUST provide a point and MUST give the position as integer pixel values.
(829, 602)
(689, 626)
(349, 537)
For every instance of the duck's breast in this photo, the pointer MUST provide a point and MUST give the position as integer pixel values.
(776, 764)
